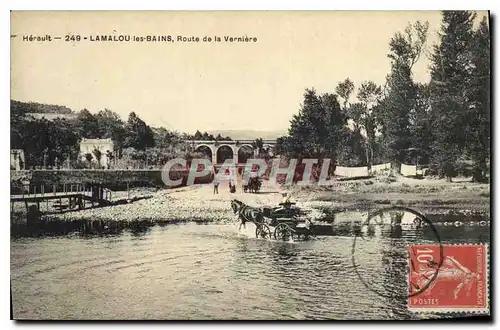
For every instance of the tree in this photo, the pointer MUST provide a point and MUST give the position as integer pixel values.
(62, 141)
(258, 144)
(18, 124)
(139, 135)
(110, 157)
(21, 163)
(207, 137)
(198, 136)
(98, 156)
(352, 149)
(282, 147)
(478, 117)
(421, 124)
(451, 72)
(86, 125)
(401, 94)
(369, 95)
(110, 126)
(165, 139)
(88, 156)
(43, 140)
(344, 91)
(317, 129)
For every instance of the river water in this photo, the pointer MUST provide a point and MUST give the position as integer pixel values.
(195, 271)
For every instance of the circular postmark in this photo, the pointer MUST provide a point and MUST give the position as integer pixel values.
(392, 217)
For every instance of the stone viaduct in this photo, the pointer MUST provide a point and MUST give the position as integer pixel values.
(219, 151)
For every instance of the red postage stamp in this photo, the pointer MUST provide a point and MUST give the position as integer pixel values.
(448, 278)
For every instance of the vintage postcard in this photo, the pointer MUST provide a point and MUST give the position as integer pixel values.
(250, 165)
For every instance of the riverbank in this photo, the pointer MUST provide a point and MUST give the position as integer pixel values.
(199, 203)
(428, 195)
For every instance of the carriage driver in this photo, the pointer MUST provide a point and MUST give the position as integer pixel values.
(286, 200)
(285, 203)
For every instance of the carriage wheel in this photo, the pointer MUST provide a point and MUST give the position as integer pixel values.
(263, 231)
(283, 232)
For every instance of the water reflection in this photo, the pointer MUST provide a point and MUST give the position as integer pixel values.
(284, 251)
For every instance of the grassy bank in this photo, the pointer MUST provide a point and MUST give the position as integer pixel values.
(428, 194)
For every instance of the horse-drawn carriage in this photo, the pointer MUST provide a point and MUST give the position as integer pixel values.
(253, 185)
(284, 222)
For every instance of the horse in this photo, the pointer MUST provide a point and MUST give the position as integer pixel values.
(246, 213)
(253, 185)
(246, 187)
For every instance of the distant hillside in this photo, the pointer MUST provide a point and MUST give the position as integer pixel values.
(248, 134)
(52, 116)
(33, 107)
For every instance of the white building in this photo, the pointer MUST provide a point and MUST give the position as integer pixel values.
(87, 146)
(17, 160)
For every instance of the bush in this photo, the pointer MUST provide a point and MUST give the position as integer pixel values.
(79, 164)
(464, 168)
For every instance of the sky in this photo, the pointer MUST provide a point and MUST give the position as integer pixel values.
(186, 86)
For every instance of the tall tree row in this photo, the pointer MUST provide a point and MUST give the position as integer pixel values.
(401, 98)
(479, 121)
(459, 94)
(444, 123)
(450, 73)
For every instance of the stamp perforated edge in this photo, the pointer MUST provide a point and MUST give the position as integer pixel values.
(467, 310)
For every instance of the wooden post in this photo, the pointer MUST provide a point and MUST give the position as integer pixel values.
(64, 187)
(54, 188)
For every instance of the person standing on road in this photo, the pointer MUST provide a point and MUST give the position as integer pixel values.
(216, 186)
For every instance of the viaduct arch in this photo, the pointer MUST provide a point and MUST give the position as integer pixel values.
(237, 150)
